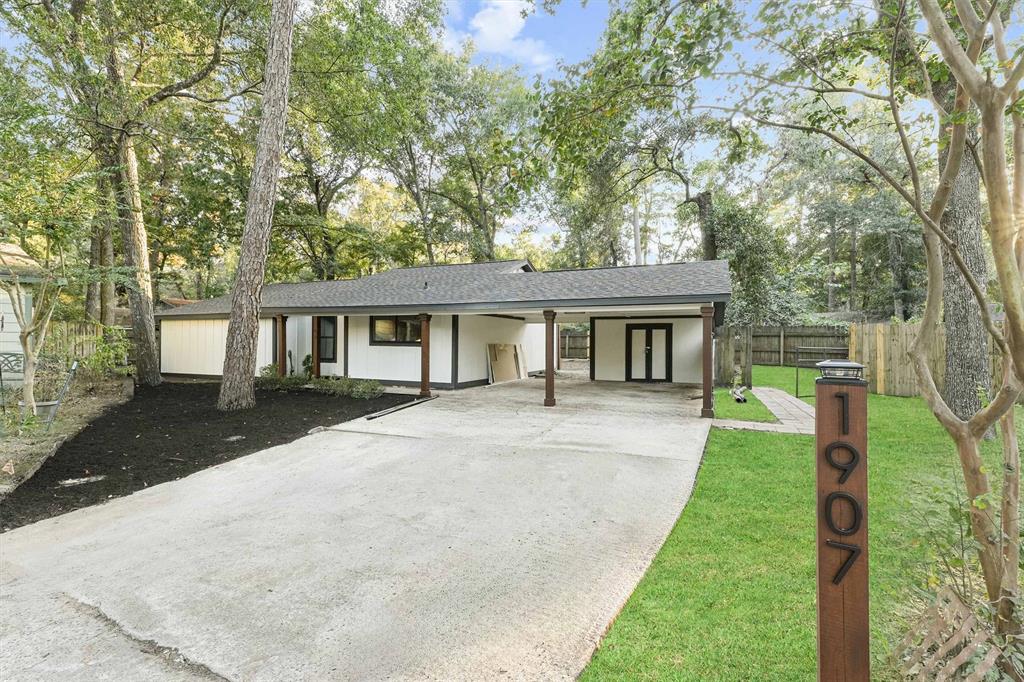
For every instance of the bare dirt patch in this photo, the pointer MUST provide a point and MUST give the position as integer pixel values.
(165, 433)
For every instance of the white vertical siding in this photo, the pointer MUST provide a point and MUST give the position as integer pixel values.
(476, 331)
(399, 363)
(197, 346)
(299, 330)
(687, 348)
(9, 341)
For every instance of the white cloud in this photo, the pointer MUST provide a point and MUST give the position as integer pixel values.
(495, 29)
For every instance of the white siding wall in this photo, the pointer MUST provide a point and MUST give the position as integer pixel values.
(476, 331)
(9, 342)
(398, 363)
(610, 350)
(197, 346)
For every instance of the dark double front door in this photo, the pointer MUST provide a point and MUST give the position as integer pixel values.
(648, 352)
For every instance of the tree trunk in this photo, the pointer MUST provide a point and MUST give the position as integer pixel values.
(238, 388)
(28, 374)
(851, 300)
(92, 291)
(136, 256)
(898, 271)
(1008, 620)
(637, 246)
(967, 365)
(833, 237)
(709, 241)
(108, 300)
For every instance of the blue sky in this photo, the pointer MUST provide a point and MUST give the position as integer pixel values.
(537, 42)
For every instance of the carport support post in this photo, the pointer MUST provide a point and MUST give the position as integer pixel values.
(316, 346)
(549, 358)
(424, 355)
(282, 346)
(708, 407)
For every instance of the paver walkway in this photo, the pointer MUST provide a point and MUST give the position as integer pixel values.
(794, 415)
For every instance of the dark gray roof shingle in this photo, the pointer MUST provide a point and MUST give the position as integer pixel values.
(479, 285)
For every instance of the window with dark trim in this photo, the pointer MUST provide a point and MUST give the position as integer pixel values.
(328, 339)
(396, 330)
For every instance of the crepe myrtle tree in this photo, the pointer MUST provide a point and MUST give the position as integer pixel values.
(41, 286)
(969, 43)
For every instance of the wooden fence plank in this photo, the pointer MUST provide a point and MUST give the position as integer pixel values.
(884, 350)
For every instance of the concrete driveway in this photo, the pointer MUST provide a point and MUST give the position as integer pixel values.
(478, 536)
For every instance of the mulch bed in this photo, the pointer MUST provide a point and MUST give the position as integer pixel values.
(168, 432)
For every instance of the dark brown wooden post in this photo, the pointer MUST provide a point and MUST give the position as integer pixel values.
(549, 358)
(708, 407)
(424, 355)
(316, 346)
(282, 345)
(842, 529)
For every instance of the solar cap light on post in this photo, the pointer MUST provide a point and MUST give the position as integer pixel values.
(841, 369)
(841, 466)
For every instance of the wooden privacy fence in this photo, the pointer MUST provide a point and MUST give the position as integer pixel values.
(73, 340)
(746, 346)
(575, 344)
(778, 345)
(884, 350)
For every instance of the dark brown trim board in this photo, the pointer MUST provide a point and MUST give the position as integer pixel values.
(649, 328)
(455, 350)
(316, 343)
(593, 346)
(707, 366)
(345, 365)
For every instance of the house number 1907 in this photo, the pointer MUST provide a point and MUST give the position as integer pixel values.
(841, 434)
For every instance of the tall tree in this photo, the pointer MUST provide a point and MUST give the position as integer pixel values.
(237, 390)
(489, 156)
(117, 62)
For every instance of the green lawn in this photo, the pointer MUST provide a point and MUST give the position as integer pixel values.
(730, 596)
(752, 411)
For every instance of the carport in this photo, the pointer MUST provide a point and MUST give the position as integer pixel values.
(646, 347)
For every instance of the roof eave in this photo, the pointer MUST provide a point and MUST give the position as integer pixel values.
(269, 311)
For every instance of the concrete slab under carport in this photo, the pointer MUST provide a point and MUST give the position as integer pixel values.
(656, 419)
(477, 536)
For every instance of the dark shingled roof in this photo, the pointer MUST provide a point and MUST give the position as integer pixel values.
(501, 285)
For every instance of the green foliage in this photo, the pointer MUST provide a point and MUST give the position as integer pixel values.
(273, 382)
(762, 292)
(111, 353)
(362, 389)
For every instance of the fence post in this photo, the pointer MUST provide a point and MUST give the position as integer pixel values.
(782, 346)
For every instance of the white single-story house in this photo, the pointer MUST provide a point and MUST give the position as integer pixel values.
(456, 326)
